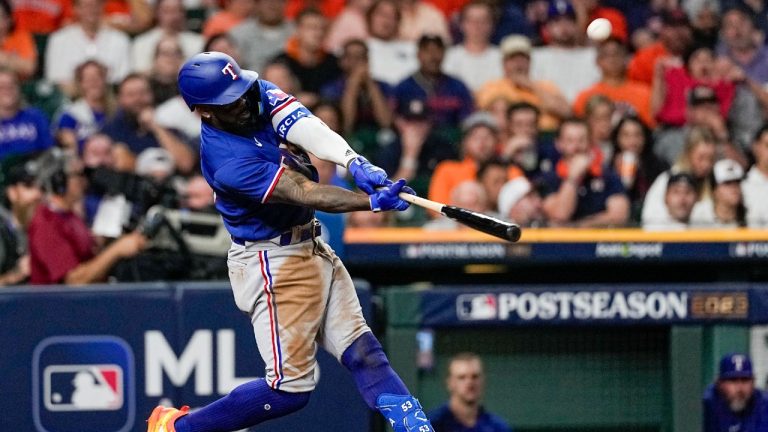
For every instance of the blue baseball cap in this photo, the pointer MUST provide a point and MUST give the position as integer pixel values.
(734, 366)
(559, 8)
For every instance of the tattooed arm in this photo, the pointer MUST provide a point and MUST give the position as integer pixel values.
(294, 188)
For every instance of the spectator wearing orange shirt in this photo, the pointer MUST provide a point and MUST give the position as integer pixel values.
(629, 96)
(518, 86)
(329, 8)
(674, 39)
(235, 12)
(17, 48)
(42, 16)
(478, 146)
(130, 16)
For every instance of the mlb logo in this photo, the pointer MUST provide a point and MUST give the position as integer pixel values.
(83, 384)
(470, 307)
(83, 387)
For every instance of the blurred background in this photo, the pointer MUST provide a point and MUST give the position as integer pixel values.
(636, 163)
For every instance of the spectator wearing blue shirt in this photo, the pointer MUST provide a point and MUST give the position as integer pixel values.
(23, 130)
(430, 105)
(582, 190)
(447, 99)
(134, 124)
(464, 411)
(365, 102)
(732, 404)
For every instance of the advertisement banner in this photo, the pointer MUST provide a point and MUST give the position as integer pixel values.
(98, 359)
(595, 305)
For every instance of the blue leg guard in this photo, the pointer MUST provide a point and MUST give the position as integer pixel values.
(404, 413)
(380, 386)
(247, 405)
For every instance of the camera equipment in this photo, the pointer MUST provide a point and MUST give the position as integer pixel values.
(142, 192)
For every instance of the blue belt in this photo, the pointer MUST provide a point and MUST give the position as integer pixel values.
(295, 235)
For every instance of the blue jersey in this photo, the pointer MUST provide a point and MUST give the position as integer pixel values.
(25, 133)
(444, 421)
(243, 170)
(593, 193)
(719, 418)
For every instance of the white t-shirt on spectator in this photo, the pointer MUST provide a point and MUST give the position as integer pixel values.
(755, 190)
(391, 61)
(472, 68)
(703, 216)
(69, 47)
(571, 69)
(145, 45)
(655, 211)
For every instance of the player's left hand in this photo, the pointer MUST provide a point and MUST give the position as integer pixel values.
(388, 198)
(368, 176)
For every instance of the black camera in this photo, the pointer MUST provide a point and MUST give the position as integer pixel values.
(142, 192)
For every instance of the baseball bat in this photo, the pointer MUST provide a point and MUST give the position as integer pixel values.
(481, 222)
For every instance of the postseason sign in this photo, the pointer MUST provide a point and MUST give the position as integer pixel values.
(594, 305)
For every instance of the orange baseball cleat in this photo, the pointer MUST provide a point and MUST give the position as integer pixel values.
(162, 418)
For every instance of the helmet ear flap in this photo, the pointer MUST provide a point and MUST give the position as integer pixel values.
(253, 99)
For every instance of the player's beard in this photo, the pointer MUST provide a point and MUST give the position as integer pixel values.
(738, 405)
(240, 125)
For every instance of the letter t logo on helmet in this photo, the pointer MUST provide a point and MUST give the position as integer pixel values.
(213, 78)
(229, 69)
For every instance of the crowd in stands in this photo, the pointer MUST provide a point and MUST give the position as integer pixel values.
(503, 107)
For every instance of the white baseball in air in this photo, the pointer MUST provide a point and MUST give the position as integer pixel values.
(599, 29)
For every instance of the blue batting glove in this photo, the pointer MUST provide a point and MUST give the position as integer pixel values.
(387, 199)
(368, 176)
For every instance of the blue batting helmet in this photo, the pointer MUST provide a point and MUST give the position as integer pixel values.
(213, 78)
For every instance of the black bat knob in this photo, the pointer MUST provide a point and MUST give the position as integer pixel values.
(513, 233)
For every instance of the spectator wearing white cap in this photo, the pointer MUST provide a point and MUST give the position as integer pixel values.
(755, 185)
(521, 203)
(727, 207)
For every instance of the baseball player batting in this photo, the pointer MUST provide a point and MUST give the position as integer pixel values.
(293, 286)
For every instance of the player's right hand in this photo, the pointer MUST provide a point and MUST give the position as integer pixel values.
(368, 176)
(387, 198)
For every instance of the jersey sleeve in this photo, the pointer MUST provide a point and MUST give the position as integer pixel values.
(282, 109)
(249, 177)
